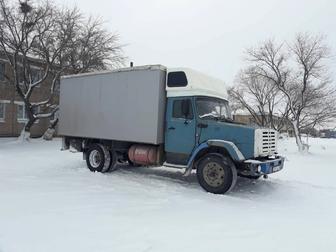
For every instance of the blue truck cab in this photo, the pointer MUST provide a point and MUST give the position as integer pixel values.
(201, 134)
(156, 116)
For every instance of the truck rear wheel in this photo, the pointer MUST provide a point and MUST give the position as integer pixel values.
(98, 158)
(216, 173)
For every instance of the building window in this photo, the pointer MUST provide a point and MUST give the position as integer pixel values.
(36, 75)
(21, 113)
(2, 71)
(2, 111)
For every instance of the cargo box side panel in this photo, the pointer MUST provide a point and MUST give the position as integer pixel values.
(125, 106)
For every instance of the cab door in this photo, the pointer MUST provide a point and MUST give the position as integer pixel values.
(180, 129)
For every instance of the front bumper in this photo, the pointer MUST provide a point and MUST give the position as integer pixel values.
(262, 167)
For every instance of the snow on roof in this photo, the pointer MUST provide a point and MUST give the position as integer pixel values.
(124, 69)
(198, 84)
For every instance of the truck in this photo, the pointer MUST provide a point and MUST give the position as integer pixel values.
(157, 116)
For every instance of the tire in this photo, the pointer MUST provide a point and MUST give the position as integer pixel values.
(113, 164)
(98, 158)
(216, 173)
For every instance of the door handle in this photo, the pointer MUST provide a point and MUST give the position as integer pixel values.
(171, 128)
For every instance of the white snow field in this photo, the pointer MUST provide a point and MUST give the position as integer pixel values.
(50, 201)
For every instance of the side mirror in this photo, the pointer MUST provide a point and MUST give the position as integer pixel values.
(186, 108)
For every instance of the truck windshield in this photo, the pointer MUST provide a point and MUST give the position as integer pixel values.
(213, 108)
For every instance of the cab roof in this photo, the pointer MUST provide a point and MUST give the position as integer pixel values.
(199, 84)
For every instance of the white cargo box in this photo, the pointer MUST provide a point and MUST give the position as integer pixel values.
(126, 105)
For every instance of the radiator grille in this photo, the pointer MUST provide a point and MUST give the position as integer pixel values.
(268, 142)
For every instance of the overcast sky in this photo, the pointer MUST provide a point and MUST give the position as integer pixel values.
(208, 35)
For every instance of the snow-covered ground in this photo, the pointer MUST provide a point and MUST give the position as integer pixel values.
(50, 201)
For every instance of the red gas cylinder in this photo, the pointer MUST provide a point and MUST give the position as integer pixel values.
(144, 154)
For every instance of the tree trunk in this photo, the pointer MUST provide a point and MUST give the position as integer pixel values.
(299, 143)
(49, 134)
(25, 133)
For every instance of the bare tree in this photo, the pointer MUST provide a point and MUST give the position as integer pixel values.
(314, 99)
(60, 41)
(94, 48)
(261, 98)
(299, 71)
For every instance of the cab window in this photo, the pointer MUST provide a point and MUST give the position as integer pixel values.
(182, 109)
(177, 79)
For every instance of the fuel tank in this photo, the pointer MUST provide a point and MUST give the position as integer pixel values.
(145, 154)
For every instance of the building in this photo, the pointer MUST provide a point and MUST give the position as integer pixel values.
(12, 110)
(248, 119)
(328, 133)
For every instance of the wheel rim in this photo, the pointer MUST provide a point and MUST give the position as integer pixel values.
(213, 174)
(95, 158)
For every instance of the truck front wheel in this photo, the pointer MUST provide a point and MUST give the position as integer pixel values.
(98, 158)
(216, 173)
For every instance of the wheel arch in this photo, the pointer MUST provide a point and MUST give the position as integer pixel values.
(208, 150)
(215, 146)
